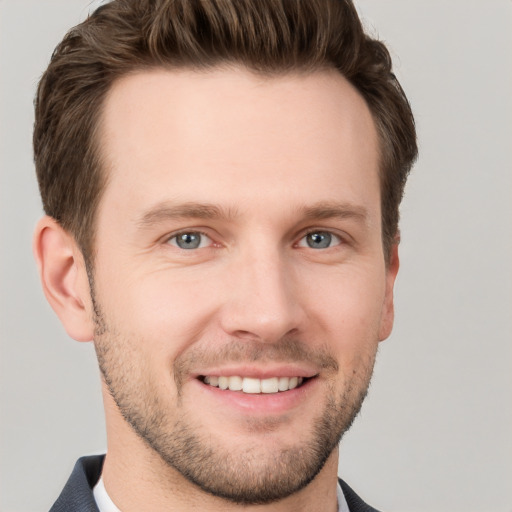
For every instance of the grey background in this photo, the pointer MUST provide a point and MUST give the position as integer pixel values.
(436, 431)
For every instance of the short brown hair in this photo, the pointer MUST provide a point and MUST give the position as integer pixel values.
(266, 36)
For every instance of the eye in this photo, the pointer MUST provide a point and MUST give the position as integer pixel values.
(190, 240)
(319, 240)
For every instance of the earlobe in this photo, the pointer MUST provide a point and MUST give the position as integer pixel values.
(64, 278)
(388, 308)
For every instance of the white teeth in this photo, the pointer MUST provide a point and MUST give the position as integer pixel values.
(223, 382)
(294, 381)
(252, 385)
(236, 383)
(270, 385)
(284, 383)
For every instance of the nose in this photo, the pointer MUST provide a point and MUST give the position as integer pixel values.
(263, 301)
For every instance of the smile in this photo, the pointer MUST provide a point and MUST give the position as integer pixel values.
(252, 385)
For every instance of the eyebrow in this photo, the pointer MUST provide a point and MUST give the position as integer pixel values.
(167, 211)
(191, 210)
(332, 210)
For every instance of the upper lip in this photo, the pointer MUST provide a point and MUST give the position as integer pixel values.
(260, 372)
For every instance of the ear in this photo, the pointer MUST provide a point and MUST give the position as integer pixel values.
(64, 278)
(388, 308)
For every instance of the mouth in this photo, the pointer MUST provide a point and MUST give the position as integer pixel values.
(252, 385)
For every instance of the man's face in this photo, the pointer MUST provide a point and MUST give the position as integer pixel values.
(239, 245)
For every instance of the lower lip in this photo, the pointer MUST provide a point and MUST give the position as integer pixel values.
(260, 403)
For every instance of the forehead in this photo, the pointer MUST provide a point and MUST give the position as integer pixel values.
(228, 133)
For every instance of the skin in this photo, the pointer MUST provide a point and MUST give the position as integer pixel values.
(273, 159)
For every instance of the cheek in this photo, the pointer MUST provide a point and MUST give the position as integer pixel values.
(348, 306)
(168, 309)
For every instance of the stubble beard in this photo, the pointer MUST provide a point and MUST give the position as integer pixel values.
(245, 477)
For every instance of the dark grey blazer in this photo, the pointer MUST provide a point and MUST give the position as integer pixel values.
(77, 494)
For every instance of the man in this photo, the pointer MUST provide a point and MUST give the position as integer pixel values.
(221, 181)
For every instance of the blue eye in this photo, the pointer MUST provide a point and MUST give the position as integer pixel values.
(319, 240)
(190, 240)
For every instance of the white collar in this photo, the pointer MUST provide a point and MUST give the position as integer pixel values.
(103, 501)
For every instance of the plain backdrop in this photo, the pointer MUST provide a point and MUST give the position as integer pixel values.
(436, 431)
